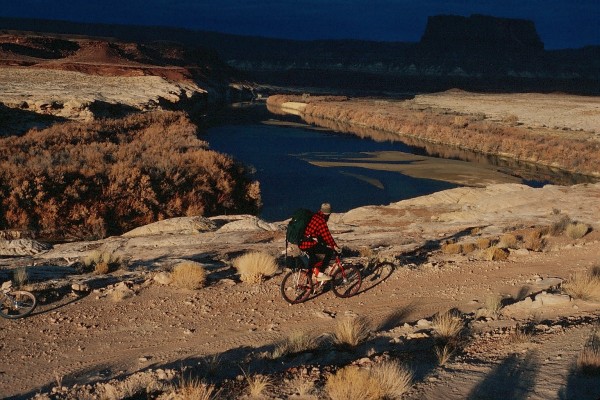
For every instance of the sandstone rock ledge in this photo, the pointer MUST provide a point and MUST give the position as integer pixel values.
(79, 96)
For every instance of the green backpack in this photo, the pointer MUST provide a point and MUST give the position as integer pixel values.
(295, 229)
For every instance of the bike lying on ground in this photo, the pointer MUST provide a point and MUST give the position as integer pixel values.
(15, 304)
(301, 282)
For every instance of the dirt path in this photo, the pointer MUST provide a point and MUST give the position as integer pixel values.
(94, 338)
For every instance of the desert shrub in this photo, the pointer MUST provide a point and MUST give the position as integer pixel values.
(495, 254)
(584, 285)
(303, 388)
(101, 268)
(577, 230)
(121, 292)
(447, 326)
(559, 226)
(102, 262)
(194, 389)
(451, 248)
(189, 275)
(388, 380)
(253, 267)
(297, 342)
(135, 386)
(443, 353)
(352, 383)
(588, 360)
(521, 334)
(533, 239)
(365, 251)
(479, 135)
(393, 379)
(508, 241)
(258, 385)
(511, 119)
(89, 180)
(350, 332)
(20, 276)
(483, 243)
(460, 121)
(469, 247)
(492, 304)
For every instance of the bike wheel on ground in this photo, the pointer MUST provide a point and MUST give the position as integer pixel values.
(22, 306)
(346, 282)
(296, 286)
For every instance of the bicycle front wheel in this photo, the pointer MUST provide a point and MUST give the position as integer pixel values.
(296, 286)
(17, 304)
(347, 281)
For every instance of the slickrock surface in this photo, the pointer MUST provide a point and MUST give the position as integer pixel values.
(134, 325)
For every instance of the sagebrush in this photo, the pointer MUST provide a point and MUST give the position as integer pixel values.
(87, 180)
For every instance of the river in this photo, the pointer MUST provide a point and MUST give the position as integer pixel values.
(300, 165)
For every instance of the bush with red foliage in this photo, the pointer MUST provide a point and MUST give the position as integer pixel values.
(89, 180)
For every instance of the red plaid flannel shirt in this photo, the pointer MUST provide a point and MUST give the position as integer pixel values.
(317, 229)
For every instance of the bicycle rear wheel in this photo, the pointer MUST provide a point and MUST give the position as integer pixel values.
(346, 281)
(17, 304)
(296, 286)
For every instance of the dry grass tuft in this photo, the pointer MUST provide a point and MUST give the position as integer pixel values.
(559, 226)
(351, 383)
(448, 326)
(255, 266)
(121, 293)
(365, 251)
(443, 353)
(189, 275)
(350, 332)
(533, 240)
(393, 379)
(495, 254)
(194, 389)
(387, 380)
(102, 262)
(451, 248)
(303, 388)
(102, 268)
(521, 334)
(297, 342)
(577, 230)
(258, 385)
(492, 305)
(483, 243)
(20, 276)
(468, 247)
(584, 286)
(588, 361)
(508, 241)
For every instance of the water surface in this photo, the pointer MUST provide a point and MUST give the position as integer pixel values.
(303, 166)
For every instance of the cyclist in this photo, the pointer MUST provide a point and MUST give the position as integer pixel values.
(318, 241)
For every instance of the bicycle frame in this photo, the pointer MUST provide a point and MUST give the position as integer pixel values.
(331, 269)
(301, 281)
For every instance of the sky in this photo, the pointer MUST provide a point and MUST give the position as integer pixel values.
(560, 23)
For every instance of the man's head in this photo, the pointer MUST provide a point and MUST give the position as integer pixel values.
(326, 209)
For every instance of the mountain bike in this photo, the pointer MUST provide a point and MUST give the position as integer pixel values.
(15, 303)
(298, 284)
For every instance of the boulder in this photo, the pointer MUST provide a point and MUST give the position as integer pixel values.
(248, 223)
(22, 247)
(180, 226)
